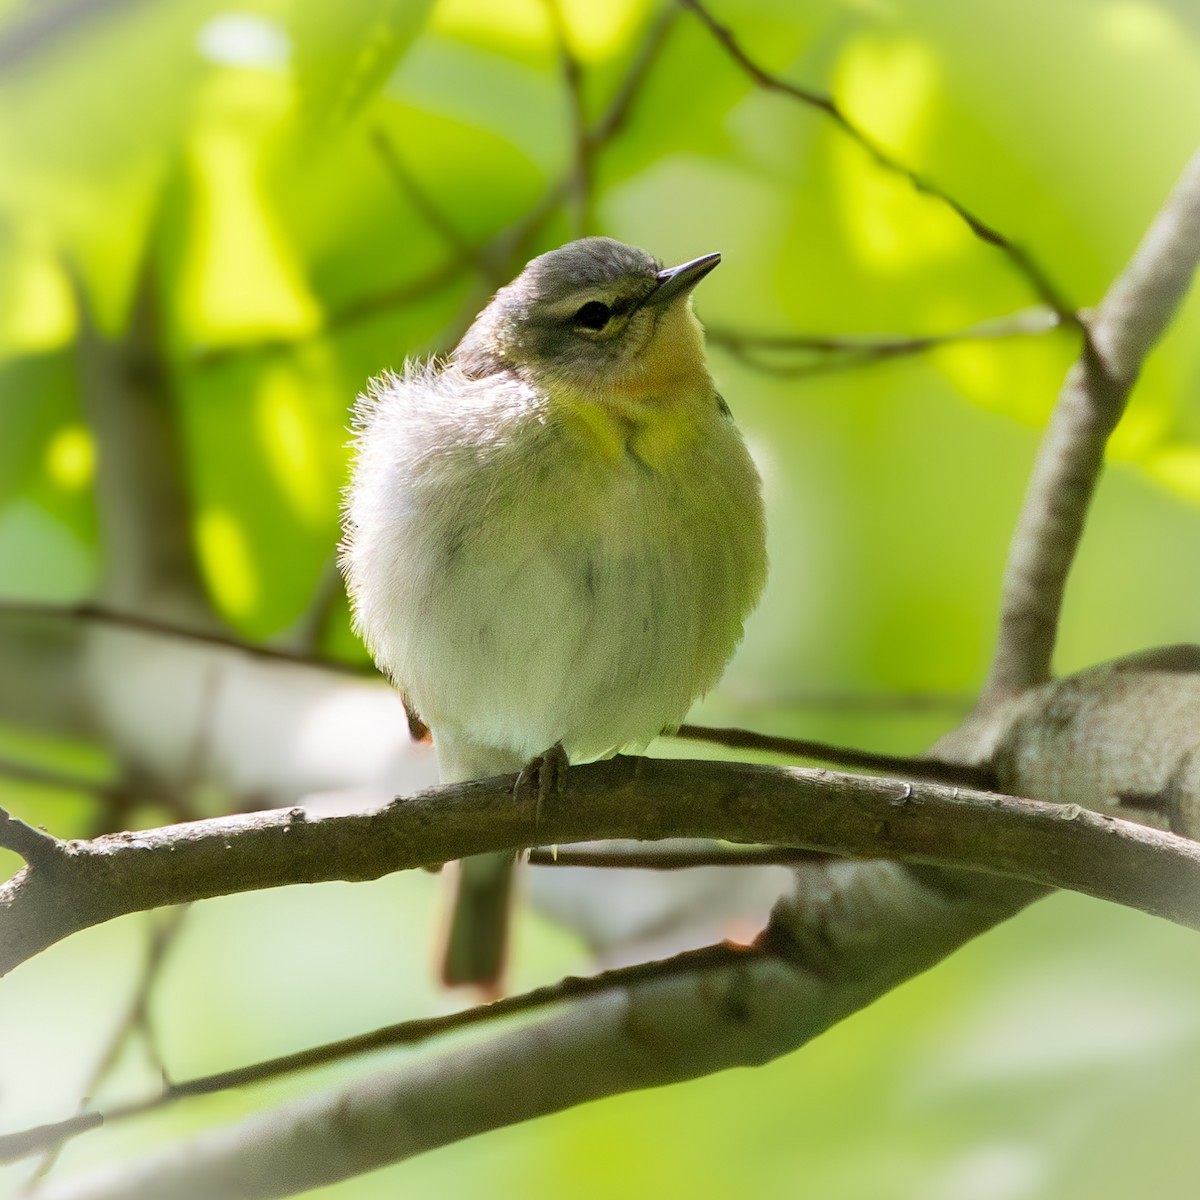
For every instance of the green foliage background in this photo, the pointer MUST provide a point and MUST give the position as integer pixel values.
(234, 154)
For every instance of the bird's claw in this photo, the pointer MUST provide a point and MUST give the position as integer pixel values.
(544, 775)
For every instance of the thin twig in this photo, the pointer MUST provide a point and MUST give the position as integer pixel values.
(403, 1033)
(874, 926)
(407, 182)
(99, 614)
(46, 777)
(914, 767)
(820, 354)
(135, 1021)
(572, 73)
(1124, 329)
(902, 765)
(825, 104)
(615, 116)
(307, 633)
(495, 260)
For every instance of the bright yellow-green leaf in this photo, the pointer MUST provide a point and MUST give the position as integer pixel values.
(345, 51)
(228, 565)
(71, 457)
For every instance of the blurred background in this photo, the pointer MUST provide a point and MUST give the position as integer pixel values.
(217, 222)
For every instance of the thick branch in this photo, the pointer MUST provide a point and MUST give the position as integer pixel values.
(643, 798)
(872, 926)
(1123, 330)
(670, 856)
(414, 1032)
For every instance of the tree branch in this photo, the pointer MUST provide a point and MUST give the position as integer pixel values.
(798, 355)
(648, 799)
(572, 74)
(916, 767)
(670, 856)
(136, 1021)
(1120, 335)
(872, 926)
(416, 195)
(35, 846)
(1021, 259)
(404, 1033)
(100, 614)
(906, 766)
(496, 260)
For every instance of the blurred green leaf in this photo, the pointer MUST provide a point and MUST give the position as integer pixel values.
(304, 183)
(345, 51)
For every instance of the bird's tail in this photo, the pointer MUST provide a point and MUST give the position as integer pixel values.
(477, 942)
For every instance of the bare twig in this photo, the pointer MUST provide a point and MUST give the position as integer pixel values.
(403, 1033)
(878, 924)
(136, 1021)
(916, 767)
(505, 253)
(572, 73)
(875, 703)
(434, 217)
(1122, 332)
(496, 260)
(825, 104)
(99, 614)
(305, 636)
(44, 777)
(901, 765)
(796, 355)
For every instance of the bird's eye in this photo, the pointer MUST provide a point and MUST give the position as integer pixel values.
(593, 315)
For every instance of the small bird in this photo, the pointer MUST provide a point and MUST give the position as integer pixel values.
(553, 537)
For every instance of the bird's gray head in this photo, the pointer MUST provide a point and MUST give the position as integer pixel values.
(589, 316)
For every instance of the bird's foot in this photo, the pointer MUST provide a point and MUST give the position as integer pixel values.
(544, 775)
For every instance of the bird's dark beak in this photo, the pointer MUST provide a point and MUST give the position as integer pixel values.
(678, 281)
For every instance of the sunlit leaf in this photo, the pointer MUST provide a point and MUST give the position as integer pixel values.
(345, 51)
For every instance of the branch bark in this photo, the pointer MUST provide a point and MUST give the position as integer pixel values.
(649, 799)
(862, 930)
(855, 931)
(1122, 332)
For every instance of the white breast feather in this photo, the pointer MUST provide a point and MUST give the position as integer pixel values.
(521, 589)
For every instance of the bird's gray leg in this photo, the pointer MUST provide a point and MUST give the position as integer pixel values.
(545, 774)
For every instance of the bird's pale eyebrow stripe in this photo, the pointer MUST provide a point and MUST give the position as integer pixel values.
(617, 305)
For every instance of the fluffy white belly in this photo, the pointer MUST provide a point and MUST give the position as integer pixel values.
(522, 600)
